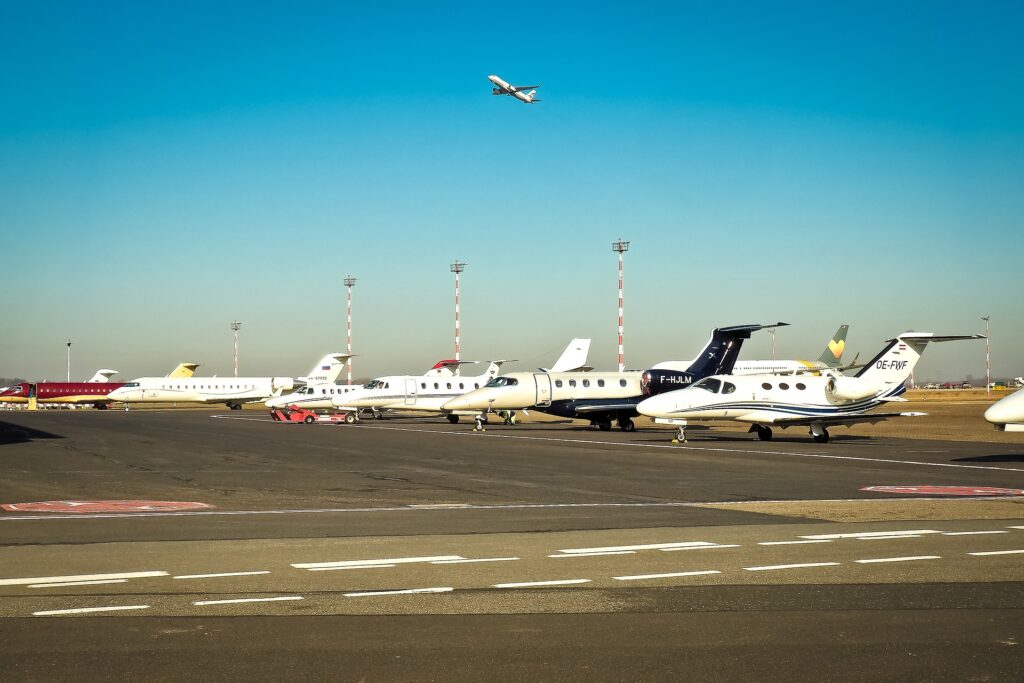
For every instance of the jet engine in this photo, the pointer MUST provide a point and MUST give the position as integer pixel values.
(496, 91)
(659, 381)
(281, 384)
(849, 388)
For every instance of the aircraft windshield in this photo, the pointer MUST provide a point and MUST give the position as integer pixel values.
(132, 384)
(502, 382)
(374, 384)
(710, 384)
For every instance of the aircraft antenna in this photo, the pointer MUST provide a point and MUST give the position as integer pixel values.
(457, 268)
(620, 247)
(350, 282)
(235, 326)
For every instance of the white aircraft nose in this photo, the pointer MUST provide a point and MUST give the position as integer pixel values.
(1000, 413)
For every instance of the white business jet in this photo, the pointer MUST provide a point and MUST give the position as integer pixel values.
(816, 402)
(517, 91)
(231, 391)
(1008, 414)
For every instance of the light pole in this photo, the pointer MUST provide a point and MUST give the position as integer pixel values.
(620, 247)
(235, 326)
(69, 359)
(988, 369)
(350, 283)
(457, 268)
(772, 332)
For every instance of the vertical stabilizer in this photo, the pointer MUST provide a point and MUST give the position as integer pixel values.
(574, 357)
(832, 356)
(102, 376)
(328, 369)
(184, 370)
(893, 365)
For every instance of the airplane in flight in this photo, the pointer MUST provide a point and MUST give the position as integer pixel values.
(1007, 414)
(231, 391)
(813, 401)
(602, 397)
(831, 357)
(430, 392)
(517, 91)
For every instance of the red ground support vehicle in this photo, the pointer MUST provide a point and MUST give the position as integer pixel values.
(294, 413)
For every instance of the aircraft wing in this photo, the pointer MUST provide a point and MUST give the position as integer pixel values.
(605, 407)
(525, 87)
(841, 419)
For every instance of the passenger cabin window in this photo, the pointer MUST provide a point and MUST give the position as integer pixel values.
(460, 386)
(476, 385)
(728, 387)
(572, 383)
(423, 385)
(801, 386)
(558, 383)
(600, 382)
(783, 386)
(766, 386)
(586, 382)
(622, 382)
(435, 385)
(449, 384)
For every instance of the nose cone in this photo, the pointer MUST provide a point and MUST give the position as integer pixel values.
(478, 399)
(656, 406)
(1007, 411)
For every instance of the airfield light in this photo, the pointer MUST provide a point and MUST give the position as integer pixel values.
(69, 359)
(620, 247)
(350, 283)
(988, 368)
(457, 268)
(235, 326)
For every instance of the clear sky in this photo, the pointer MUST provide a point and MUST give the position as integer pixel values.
(166, 168)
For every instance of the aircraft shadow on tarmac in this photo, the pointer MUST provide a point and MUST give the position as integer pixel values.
(12, 433)
(998, 457)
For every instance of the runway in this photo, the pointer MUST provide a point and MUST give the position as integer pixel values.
(417, 550)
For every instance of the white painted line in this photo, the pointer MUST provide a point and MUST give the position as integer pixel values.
(357, 566)
(701, 547)
(239, 600)
(648, 546)
(217, 576)
(1015, 527)
(816, 540)
(610, 552)
(534, 584)
(408, 591)
(999, 552)
(85, 610)
(973, 533)
(483, 559)
(75, 583)
(873, 534)
(673, 575)
(365, 563)
(79, 577)
(770, 567)
(899, 559)
(886, 538)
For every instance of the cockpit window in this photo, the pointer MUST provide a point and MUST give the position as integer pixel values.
(502, 382)
(710, 384)
(132, 384)
(728, 387)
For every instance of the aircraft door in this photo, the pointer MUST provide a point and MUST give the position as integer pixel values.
(543, 382)
(410, 392)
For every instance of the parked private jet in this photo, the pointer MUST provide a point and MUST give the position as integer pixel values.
(231, 391)
(94, 391)
(602, 397)
(1007, 414)
(503, 88)
(831, 357)
(816, 402)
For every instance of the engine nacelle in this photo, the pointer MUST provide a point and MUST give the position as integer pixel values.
(281, 384)
(849, 388)
(654, 382)
(497, 91)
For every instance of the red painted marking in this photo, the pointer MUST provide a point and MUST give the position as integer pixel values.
(947, 490)
(90, 506)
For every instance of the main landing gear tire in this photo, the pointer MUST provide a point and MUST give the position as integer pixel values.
(309, 419)
(821, 438)
(235, 406)
(350, 418)
(454, 419)
(764, 433)
(627, 425)
(604, 426)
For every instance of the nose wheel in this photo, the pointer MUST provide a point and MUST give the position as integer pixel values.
(680, 435)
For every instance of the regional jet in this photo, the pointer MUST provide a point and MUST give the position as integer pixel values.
(816, 402)
(517, 91)
(602, 397)
(1008, 414)
(94, 391)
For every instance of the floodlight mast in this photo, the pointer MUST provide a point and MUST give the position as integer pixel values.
(69, 359)
(620, 247)
(349, 283)
(988, 367)
(235, 326)
(457, 268)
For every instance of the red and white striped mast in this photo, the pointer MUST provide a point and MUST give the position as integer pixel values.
(457, 268)
(349, 283)
(620, 247)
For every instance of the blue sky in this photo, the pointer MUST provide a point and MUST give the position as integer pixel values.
(166, 169)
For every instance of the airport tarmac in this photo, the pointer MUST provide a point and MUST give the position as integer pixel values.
(412, 549)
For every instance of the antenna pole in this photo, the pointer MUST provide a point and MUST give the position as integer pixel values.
(349, 283)
(620, 247)
(457, 268)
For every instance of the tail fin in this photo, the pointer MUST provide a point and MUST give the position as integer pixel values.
(184, 370)
(893, 365)
(573, 358)
(328, 369)
(102, 376)
(723, 348)
(832, 356)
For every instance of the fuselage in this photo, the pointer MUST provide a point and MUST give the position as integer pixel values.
(405, 392)
(559, 393)
(313, 397)
(752, 367)
(1007, 414)
(233, 390)
(60, 392)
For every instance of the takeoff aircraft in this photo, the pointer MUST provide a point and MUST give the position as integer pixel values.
(1008, 414)
(602, 396)
(231, 391)
(831, 357)
(503, 88)
(817, 402)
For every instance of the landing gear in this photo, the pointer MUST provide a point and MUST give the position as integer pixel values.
(604, 426)
(235, 406)
(454, 419)
(763, 433)
(509, 416)
(350, 418)
(377, 414)
(481, 420)
(819, 433)
(627, 425)
(680, 435)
